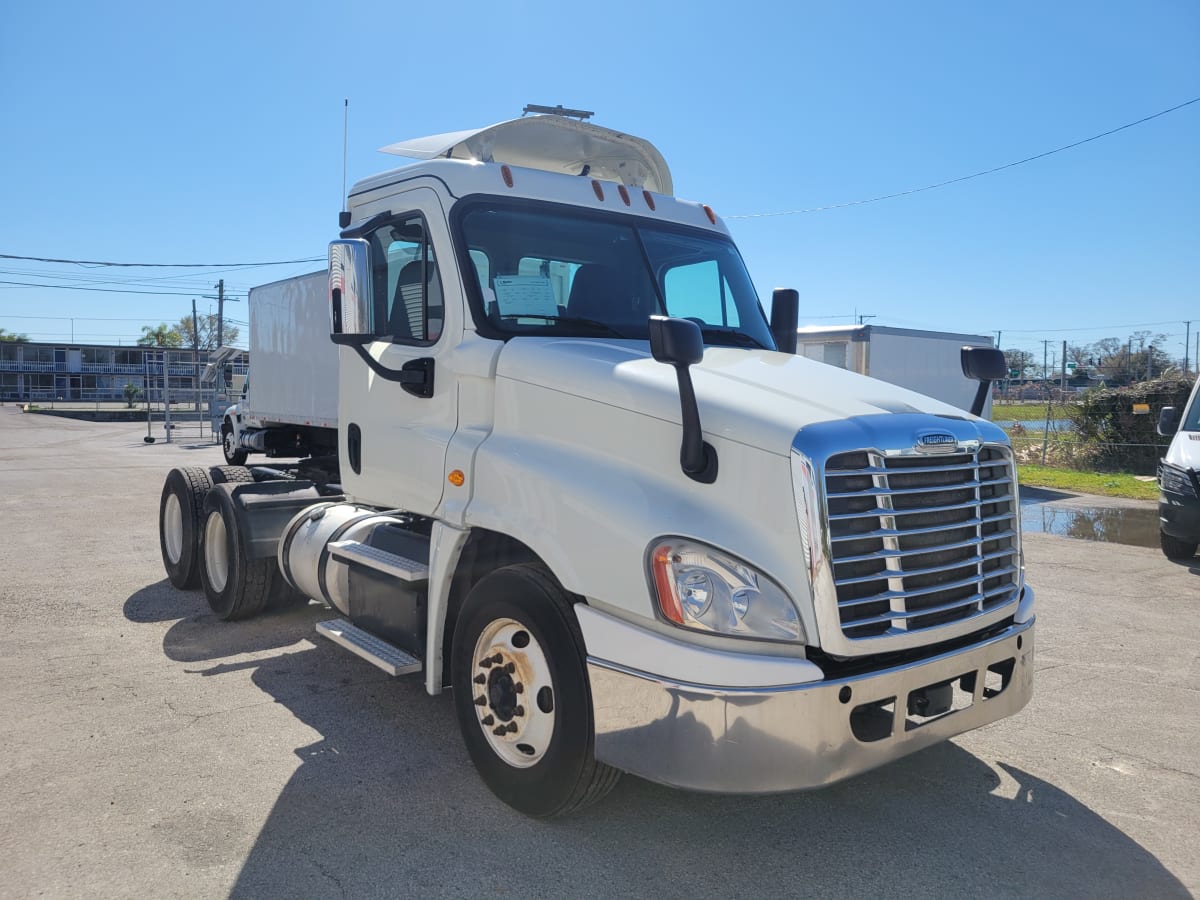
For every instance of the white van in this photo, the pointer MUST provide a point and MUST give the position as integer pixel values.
(1179, 479)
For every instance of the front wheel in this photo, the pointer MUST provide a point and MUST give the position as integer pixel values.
(1173, 548)
(233, 455)
(522, 696)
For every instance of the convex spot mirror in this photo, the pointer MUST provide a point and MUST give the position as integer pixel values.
(350, 297)
(677, 342)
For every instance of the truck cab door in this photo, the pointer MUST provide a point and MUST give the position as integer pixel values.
(394, 426)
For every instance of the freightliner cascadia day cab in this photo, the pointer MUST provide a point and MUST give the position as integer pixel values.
(1179, 479)
(584, 482)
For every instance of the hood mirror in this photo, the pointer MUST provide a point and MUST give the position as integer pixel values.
(985, 364)
(679, 343)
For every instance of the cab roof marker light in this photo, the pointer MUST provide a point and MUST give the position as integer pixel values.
(506, 174)
(649, 198)
(712, 216)
(623, 191)
(599, 189)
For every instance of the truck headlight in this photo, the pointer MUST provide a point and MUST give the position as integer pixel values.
(700, 587)
(1174, 480)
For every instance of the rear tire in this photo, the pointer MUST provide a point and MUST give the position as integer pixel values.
(235, 586)
(1175, 549)
(233, 455)
(231, 475)
(518, 648)
(180, 521)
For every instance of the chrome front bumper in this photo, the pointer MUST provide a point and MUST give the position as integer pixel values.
(762, 740)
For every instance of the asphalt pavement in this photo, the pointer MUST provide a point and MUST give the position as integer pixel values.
(154, 751)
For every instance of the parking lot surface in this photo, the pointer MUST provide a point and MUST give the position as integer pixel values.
(154, 751)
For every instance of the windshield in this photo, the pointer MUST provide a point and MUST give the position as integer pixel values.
(541, 270)
(1192, 421)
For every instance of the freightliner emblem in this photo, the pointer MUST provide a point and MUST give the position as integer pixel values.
(935, 442)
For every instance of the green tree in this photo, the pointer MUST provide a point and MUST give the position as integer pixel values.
(131, 393)
(161, 335)
(15, 338)
(1019, 360)
(207, 332)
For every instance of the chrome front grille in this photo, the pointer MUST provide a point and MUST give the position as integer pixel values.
(921, 541)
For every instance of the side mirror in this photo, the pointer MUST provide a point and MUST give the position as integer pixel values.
(350, 296)
(785, 316)
(1168, 421)
(986, 364)
(676, 342)
(679, 343)
(983, 363)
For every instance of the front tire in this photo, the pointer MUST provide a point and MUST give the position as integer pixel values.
(1175, 549)
(233, 455)
(235, 586)
(180, 520)
(522, 696)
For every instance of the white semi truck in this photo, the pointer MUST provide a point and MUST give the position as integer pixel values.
(288, 408)
(583, 481)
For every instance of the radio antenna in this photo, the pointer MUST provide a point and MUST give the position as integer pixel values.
(344, 215)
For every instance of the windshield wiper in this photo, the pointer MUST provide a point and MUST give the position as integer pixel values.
(729, 335)
(594, 324)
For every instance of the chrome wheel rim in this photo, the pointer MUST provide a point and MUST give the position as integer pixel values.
(513, 693)
(172, 529)
(216, 552)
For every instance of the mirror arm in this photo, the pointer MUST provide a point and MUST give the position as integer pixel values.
(981, 394)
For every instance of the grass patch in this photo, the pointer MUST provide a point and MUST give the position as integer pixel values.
(1024, 412)
(1106, 484)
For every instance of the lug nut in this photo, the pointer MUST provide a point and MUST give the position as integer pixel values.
(499, 730)
(497, 659)
(510, 668)
(486, 662)
(489, 720)
(519, 688)
(519, 711)
(512, 727)
(481, 679)
(481, 701)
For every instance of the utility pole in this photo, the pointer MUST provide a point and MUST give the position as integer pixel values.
(1045, 367)
(220, 313)
(862, 316)
(1186, 341)
(1064, 368)
(195, 359)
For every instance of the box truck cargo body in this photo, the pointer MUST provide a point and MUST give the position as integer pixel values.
(927, 362)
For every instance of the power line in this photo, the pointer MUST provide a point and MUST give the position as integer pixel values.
(71, 287)
(92, 262)
(1087, 328)
(940, 184)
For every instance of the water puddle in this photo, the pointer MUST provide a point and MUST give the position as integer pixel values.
(1049, 512)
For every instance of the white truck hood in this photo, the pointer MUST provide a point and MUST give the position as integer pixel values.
(552, 144)
(760, 398)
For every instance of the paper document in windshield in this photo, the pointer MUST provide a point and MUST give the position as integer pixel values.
(525, 295)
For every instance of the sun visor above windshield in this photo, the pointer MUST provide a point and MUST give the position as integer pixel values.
(552, 144)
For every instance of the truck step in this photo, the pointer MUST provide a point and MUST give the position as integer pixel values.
(379, 653)
(380, 560)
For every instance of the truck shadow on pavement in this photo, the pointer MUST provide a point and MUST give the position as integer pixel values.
(387, 804)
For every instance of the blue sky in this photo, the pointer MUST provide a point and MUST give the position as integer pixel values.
(146, 132)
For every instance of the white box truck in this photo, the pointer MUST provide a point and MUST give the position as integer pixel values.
(583, 481)
(927, 362)
(288, 404)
